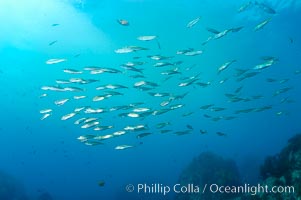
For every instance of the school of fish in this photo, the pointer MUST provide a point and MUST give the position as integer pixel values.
(131, 93)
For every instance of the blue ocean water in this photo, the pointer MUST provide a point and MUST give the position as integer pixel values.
(46, 156)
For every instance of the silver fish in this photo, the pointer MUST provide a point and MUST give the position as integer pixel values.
(68, 116)
(46, 115)
(55, 61)
(225, 66)
(72, 71)
(122, 147)
(193, 22)
(147, 37)
(262, 24)
(45, 111)
(61, 102)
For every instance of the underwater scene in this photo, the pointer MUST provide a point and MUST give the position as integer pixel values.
(150, 99)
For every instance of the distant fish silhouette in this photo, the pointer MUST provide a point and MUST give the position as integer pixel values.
(52, 43)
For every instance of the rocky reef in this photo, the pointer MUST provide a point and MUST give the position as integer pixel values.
(209, 168)
(10, 188)
(283, 169)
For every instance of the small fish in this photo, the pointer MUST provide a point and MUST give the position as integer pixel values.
(282, 90)
(159, 57)
(131, 68)
(124, 50)
(45, 111)
(171, 72)
(165, 131)
(123, 22)
(129, 49)
(191, 81)
(245, 6)
(133, 115)
(141, 109)
(236, 29)
(43, 95)
(101, 183)
(164, 103)
(46, 115)
(79, 97)
(248, 75)
(229, 117)
(137, 48)
(208, 39)
(136, 128)
(173, 107)
(77, 110)
(79, 121)
(271, 80)
(84, 138)
(162, 125)
(62, 81)
(72, 71)
(73, 89)
(55, 24)
(193, 22)
(264, 65)
(221, 134)
(203, 131)
(162, 64)
(206, 106)
(187, 114)
(238, 89)
(88, 120)
(265, 8)
(119, 133)
(183, 51)
(217, 109)
(141, 135)
(263, 108)
(158, 44)
(221, 34)
(52, 43)
(53, 88)
(55, 61)
(123, 147)
(225, 66)
(182, 132)
(283, 80)
(193, 53)
(103, 137)
(61, 102)
(214, 31)
(189, 126)
(262, 24)
(202, 84)
(92, 143)
(297, 72)
(244, 110)
(94, 111)
(68, 116)
(99, 98)
(101, 128)
(147, 37)
(90, 124)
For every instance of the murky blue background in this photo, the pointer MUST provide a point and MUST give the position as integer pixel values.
(45, 155)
